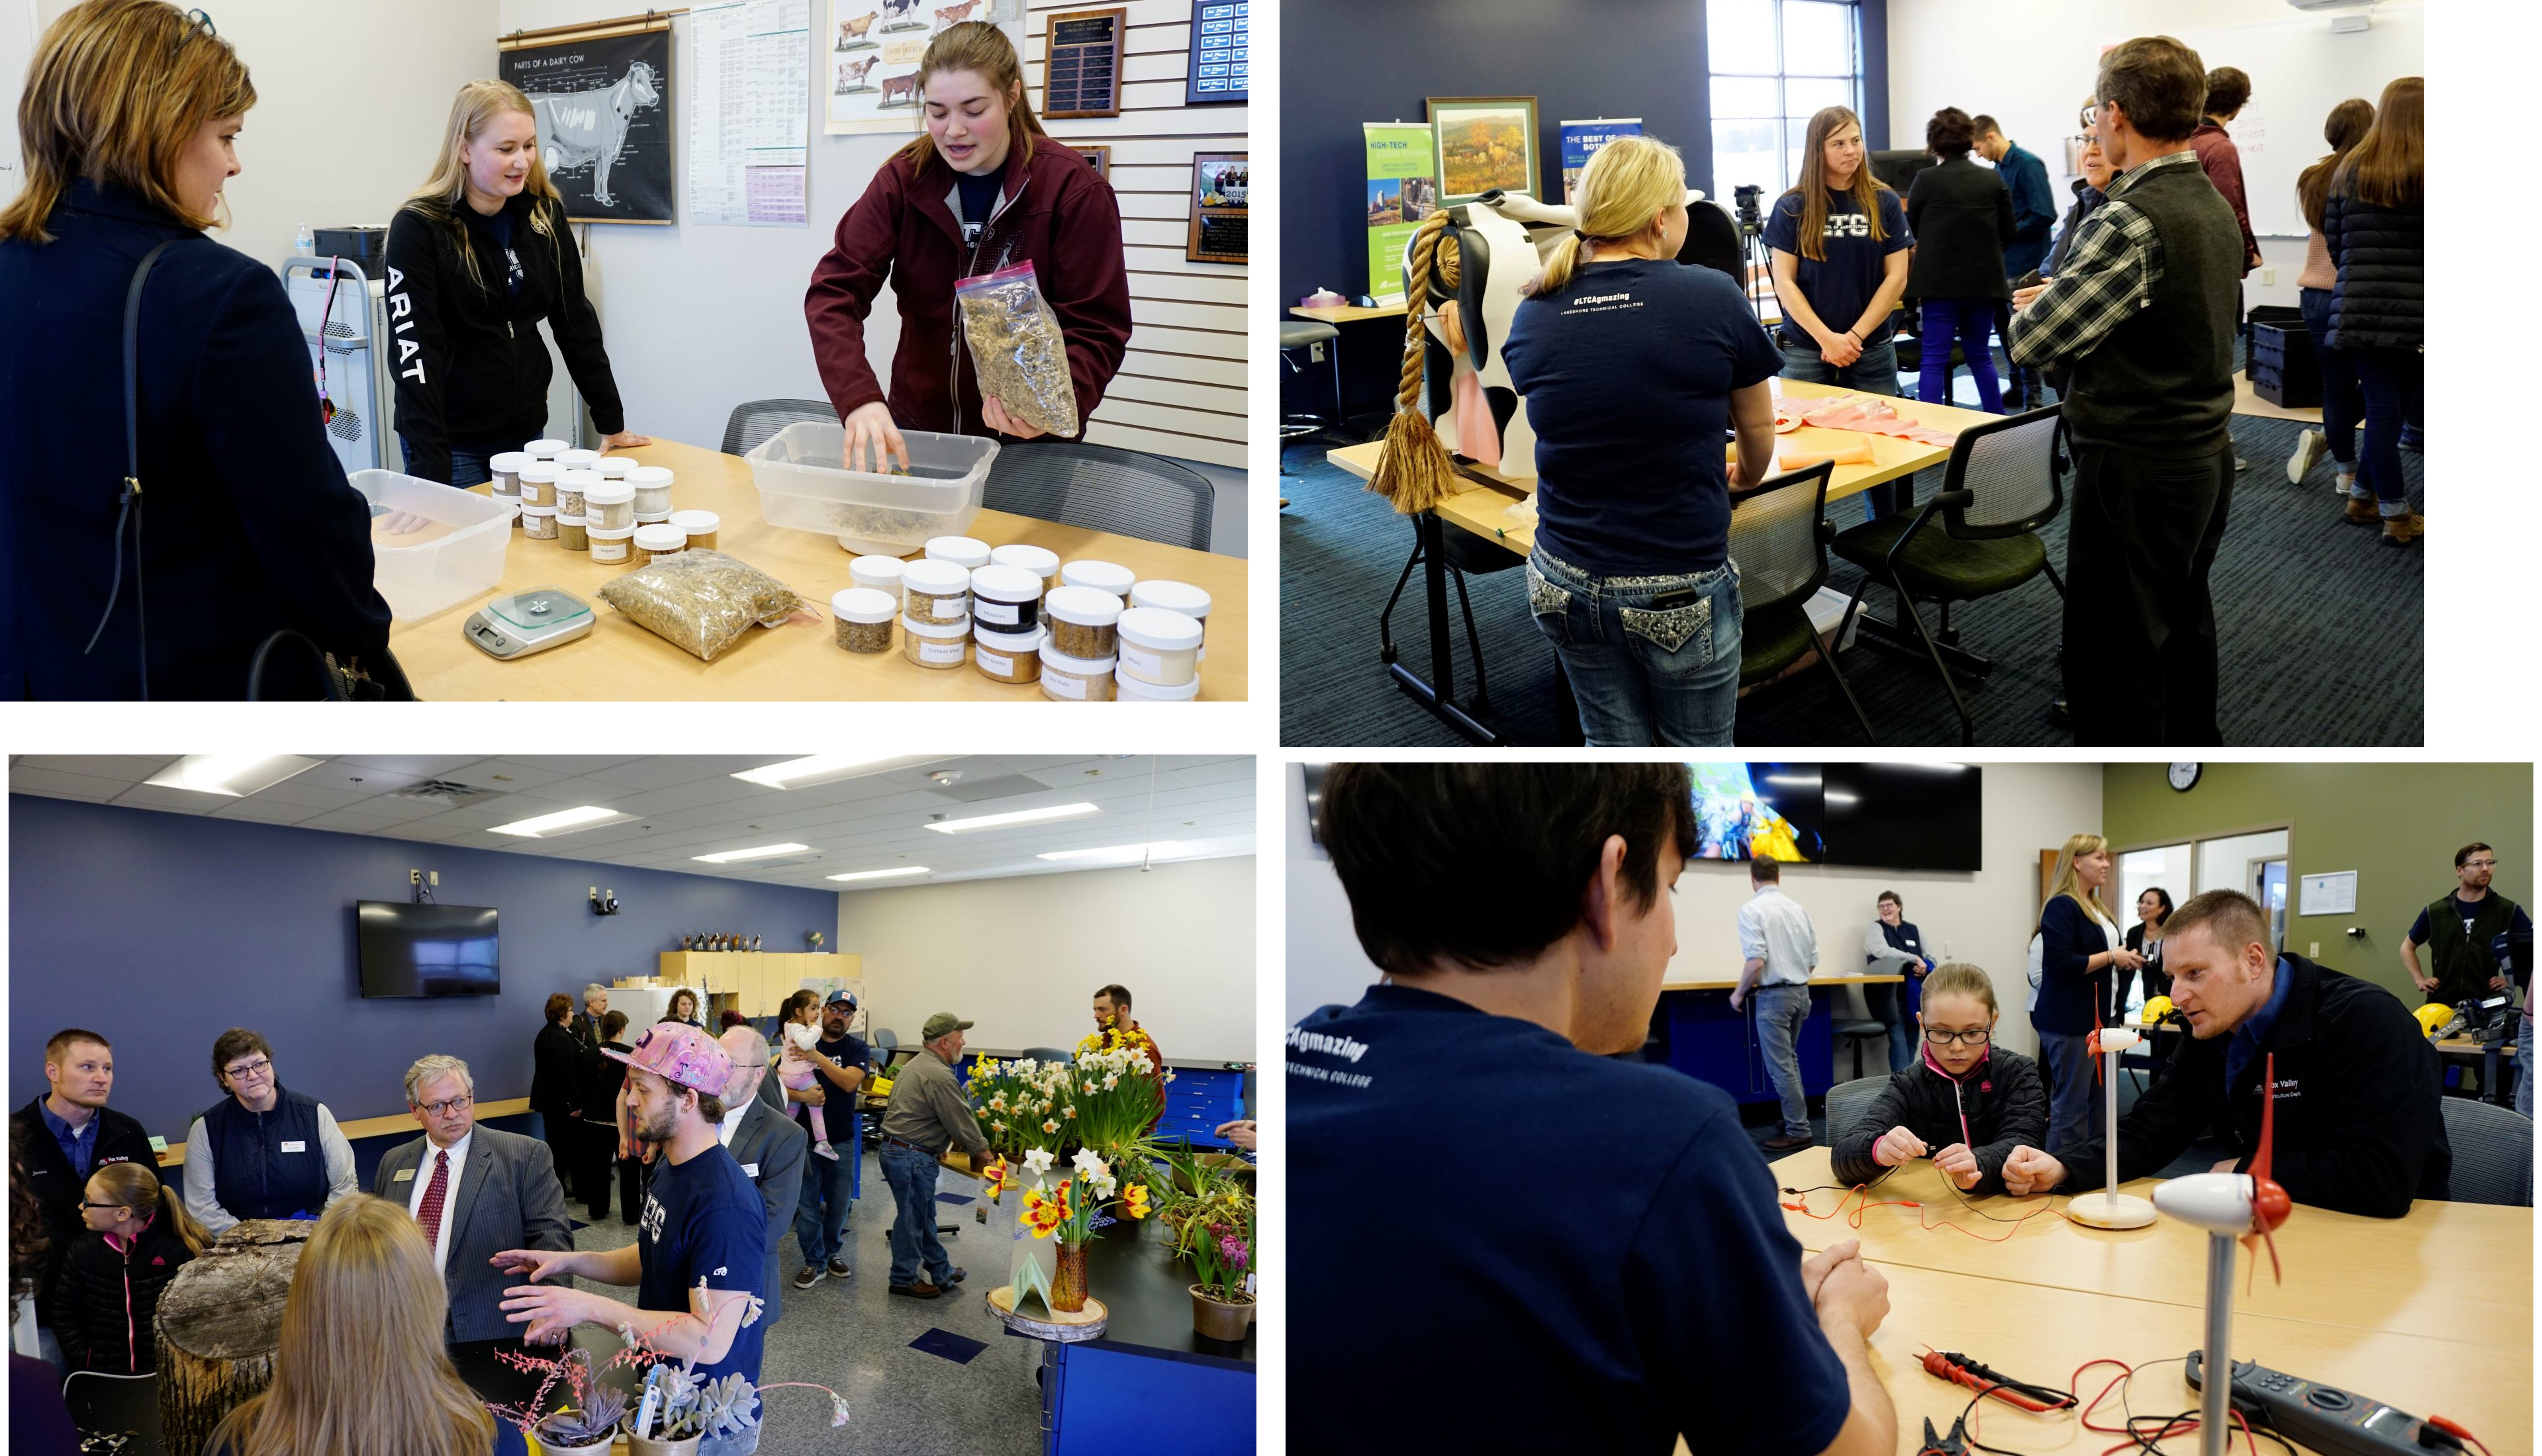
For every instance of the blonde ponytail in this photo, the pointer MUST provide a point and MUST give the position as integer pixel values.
(1628, 184)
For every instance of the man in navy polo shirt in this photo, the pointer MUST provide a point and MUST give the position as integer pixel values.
(1622, 1261)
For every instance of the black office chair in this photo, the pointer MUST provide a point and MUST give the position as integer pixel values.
(105, 1404)
(1778, 536)
(1100, 488)
(751, 424)
(2493, 1149)
(1855, 1023)
(2004, 481)
(1847, 1102)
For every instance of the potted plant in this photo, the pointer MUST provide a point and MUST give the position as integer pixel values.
(585, 1431)
(688, 1410)
(1221, 1304)
(1032, 1113)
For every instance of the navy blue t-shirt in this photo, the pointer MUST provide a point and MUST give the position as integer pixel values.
(1628, 376)
(2466, 909)
(500, 227)
(704, 1219)
(1843, 286)
(1606, 1289)
(838, 1110)
(979, 198)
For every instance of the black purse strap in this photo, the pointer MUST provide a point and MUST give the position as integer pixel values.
(131, 500)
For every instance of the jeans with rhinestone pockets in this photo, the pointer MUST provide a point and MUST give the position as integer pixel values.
(1643, 674)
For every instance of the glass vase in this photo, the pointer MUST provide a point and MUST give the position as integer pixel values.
(1068, 1288)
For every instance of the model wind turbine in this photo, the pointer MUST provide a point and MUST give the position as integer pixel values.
(2230, 1206)
(2113, 1209)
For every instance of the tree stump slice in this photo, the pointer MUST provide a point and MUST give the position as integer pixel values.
(219, 1324)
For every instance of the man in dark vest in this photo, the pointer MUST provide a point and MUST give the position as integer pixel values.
(2143, 311)
(65, 1135)
(2461, 933)
(261, 1152)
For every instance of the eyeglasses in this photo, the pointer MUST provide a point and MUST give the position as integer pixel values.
(445, 1109)
(2480, 864)
(246, 1071)
(85, 1204)
(1946, 1037)
(2091, 115)
(197, 23)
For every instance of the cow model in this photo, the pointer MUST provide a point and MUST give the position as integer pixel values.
(897, 89)
(954, 15)
(897, 14)
(580, 126)
(851, 32)
(852, 74)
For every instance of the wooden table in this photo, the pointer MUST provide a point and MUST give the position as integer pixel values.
(2045, 1334)
(802, 660)
(1340, 314)
(2453, 1271)
(1731, 982)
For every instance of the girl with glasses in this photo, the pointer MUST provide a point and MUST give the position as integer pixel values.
(138, 1236)
(1966, 1104)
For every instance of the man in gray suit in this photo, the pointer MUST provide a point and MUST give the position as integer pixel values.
(768, 1145)
(475, 1190)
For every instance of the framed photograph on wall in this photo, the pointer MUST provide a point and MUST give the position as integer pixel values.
(1482, 143)
(603, 106)
(1220, 184)
(1098, 158)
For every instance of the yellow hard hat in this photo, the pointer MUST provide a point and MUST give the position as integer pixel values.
(2155, 1009)
(2432, 1016)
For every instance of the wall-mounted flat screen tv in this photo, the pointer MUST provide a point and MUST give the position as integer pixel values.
(426, 950)
(1880, 816)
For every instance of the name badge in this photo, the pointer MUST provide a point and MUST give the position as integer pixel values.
(408, 1176)
(295, 1147)
(752, 1169)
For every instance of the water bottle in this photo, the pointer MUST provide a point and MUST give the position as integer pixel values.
(306, 245)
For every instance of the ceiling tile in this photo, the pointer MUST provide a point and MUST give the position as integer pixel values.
(52, 784)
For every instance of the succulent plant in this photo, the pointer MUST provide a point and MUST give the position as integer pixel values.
(601, 1411)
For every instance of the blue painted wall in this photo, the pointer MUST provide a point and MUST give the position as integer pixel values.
(161, 930)
(1348, 62)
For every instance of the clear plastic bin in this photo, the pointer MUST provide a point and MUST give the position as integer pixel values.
(801, 487)
(423, 579)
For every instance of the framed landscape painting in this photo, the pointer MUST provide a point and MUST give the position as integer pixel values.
(1483, 143)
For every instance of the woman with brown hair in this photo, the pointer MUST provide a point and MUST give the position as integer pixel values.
(361, 1369)
(2374, 220)
(477, 256)
(1021, 199)
(207, 412)
(556, 1085)
(2340, 403)
(1839, 243)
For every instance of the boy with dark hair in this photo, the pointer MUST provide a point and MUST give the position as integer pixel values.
(2145, 312)
(1523, 915)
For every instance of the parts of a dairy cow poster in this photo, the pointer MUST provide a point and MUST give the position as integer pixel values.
(604, 111)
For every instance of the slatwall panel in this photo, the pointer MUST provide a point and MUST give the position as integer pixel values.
(1181, 389)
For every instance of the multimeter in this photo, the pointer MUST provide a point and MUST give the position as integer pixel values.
(524, 623)
(2325, 1419)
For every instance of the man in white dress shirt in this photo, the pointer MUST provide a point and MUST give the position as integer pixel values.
(475, 1192)
(1781, 949)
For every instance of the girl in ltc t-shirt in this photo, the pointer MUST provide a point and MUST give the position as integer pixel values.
(1840, 243)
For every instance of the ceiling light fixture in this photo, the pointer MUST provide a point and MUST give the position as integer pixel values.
(231, 775)
(1124, 853)
(821, 769)
(563, 822)
(762, 852)
(1020, 816)
(914, 869)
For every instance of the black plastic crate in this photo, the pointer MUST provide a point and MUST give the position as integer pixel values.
(2285, 369)
(2277, 314)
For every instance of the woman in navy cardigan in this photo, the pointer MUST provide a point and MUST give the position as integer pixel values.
(2079, 942)
(250, 526)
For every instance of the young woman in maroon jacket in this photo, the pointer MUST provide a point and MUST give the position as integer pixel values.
(984, 189)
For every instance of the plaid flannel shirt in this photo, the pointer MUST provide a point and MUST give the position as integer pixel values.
(2110, 274)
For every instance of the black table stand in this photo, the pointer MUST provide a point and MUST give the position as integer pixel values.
(1438, 693)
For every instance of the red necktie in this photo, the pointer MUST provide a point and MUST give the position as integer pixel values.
(430, 1215)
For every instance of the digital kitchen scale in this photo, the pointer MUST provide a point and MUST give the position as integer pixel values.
(528, 621)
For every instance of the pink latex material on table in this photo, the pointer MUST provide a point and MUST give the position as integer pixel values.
(1873, 415)
(1479, 434)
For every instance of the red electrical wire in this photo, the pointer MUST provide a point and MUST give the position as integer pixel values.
(1854, 1221)
(2178, 1427)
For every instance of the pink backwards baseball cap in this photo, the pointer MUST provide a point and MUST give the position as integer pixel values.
(681, 1054)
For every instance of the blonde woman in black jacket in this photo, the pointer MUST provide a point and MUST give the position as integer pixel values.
(1966, 1104)
(477, 256)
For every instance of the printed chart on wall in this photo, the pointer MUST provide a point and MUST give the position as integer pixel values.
(1401, 192)
(749, 113)
(870, 54)
(604, 113)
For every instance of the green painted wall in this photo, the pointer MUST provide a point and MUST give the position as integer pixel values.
(2397, 825)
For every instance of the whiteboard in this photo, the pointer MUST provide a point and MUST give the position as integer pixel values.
(2298, 71)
